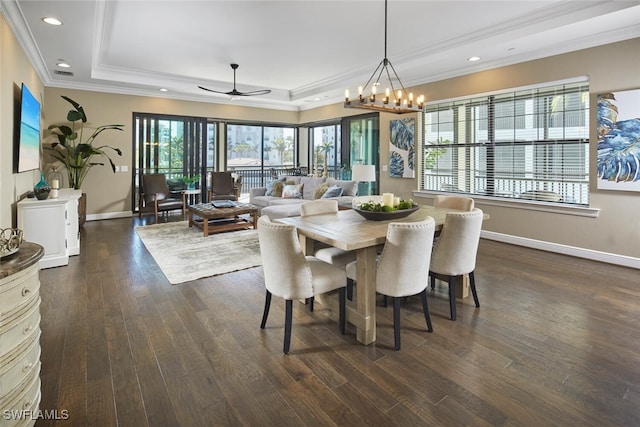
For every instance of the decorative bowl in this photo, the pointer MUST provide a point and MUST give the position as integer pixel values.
(10, 241)
(383, 216)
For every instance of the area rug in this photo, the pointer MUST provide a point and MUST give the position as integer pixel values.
(184, 254)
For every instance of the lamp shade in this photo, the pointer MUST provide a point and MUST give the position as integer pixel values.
(366, 173)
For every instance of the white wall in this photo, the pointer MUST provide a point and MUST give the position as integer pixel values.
(15, 69)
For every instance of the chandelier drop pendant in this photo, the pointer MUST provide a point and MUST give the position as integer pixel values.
(396, 99)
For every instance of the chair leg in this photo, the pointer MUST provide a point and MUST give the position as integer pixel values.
(396, 322)
(342, 300)
(433, 280)
(425, 309)
(310, 301)
(265, 314)
(385, 300)
(288, 315)
(350, 284)
(472, 284)
(452, 297)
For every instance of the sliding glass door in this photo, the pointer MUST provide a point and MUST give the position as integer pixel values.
(363, 136)
(172, 145)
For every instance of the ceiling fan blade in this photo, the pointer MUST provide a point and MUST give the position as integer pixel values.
(253, 92)
(236, 92)
(215, 91)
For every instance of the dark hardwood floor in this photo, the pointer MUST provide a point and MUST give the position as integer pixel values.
(556, 342)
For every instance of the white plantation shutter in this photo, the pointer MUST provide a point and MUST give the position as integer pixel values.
(530, 144)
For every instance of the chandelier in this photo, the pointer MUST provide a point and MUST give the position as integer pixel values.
(395, 99)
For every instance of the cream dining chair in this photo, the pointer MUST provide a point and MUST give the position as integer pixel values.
(335, 256)
(454, 202)
(401, 269)
(454, 254)
(290, 275)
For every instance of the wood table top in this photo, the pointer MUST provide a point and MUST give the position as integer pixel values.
(349, 231)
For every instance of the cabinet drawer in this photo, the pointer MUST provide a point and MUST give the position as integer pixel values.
(16, 370)
(18, 290)
(23, 404)
(19, 328)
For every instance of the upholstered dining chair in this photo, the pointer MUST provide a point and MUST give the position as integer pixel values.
(155, 194)
(401, 268)
(460, 203)
(291, 275)
(222, 186)
(454, 202)
(454, 254)
(326, 253)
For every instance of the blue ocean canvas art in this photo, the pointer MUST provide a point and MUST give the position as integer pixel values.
(29, 155)
(619, 140)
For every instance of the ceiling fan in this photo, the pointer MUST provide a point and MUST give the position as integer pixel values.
(236, 92)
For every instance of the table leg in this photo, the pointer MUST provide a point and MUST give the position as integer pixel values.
(205, 227)
(190, 219)
(255, 220)
(306, 244)
(366, 294)
(462, 286)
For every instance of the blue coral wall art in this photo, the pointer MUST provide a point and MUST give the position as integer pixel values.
(619, 140)
(402, 149)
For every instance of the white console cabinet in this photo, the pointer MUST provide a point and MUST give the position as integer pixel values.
(53, 224)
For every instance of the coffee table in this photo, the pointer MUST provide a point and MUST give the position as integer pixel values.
(214, 220)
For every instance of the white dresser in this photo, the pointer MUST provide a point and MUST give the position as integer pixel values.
(19, 336)
(53, 224)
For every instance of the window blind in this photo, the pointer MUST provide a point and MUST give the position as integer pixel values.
(530, 144)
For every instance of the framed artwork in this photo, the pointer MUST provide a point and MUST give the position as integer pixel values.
(402, 148)
(619, 141)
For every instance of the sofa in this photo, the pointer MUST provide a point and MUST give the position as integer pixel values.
(295, 190)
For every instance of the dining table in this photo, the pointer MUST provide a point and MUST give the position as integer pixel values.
(348, 230)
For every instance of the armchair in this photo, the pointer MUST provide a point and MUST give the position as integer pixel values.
(155, 194)
(222, 187)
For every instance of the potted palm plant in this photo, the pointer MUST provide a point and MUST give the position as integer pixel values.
(77, 154)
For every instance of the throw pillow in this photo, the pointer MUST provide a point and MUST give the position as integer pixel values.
(349, 188)
(334, 191)
(319, 191)
(310, 183)
(292, 191)
(270, 184)
(277, 189)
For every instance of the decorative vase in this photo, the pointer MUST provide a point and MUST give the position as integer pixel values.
(191, 186)
(41, 189)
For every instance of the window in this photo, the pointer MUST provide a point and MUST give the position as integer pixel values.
(326, 143)
(530, 144)
(258, 152)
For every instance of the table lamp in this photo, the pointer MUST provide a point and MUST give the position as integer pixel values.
(364, 173)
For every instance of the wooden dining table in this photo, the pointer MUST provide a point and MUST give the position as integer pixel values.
(349, 231)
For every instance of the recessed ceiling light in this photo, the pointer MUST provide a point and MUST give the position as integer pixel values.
(52, 21)
(63, 65)
(473, 59)
(164, 90)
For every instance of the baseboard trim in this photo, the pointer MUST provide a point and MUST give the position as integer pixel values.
(109, 215)
(593, 255)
